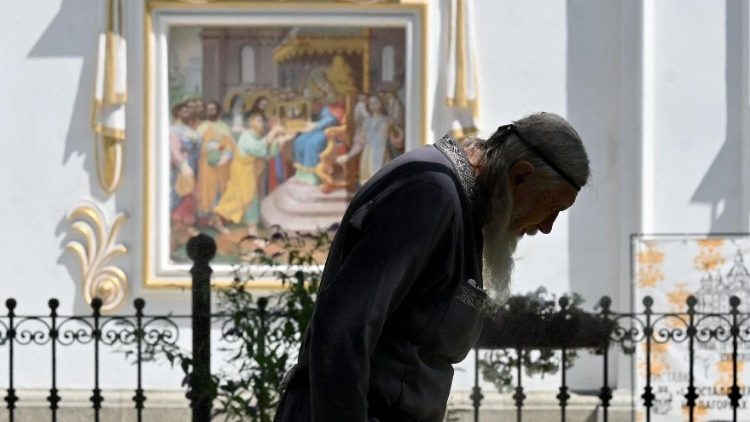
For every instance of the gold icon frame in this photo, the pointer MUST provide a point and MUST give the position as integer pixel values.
(412, 15)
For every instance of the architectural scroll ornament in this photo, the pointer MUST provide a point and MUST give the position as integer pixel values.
(95, 252)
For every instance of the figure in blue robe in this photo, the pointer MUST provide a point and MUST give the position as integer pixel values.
(309, 145)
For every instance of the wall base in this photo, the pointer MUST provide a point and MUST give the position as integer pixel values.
(172, 406)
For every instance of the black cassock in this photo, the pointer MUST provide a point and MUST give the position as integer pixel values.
(399, 301)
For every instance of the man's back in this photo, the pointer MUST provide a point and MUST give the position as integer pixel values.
(398, 303)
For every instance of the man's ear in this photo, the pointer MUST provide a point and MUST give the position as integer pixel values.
(520, 172)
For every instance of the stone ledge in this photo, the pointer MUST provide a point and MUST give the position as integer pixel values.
(539, 406)
(172, 406)
(112, 398)
(118, 406)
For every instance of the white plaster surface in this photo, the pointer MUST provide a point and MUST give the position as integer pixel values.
(583, 59)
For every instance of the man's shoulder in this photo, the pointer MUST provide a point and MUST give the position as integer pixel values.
(423, 165)
(424, 154)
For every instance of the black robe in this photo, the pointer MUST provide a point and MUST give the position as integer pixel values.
(399, 301)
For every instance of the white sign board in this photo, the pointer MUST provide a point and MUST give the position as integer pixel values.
(713, 269)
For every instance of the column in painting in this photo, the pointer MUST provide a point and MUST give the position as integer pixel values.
(268, 69)
(262, 42)
(214, 60)
(382, 78)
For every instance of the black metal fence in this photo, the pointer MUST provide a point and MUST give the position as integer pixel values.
(139, 331)
(623, 332)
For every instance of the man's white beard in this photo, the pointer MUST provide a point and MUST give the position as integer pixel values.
(500, 244)
(497, 259)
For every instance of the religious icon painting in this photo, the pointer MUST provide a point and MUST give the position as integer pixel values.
(262, 115)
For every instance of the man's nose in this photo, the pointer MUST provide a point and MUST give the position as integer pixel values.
(546, 226)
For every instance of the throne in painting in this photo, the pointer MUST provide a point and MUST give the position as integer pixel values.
(339, 140)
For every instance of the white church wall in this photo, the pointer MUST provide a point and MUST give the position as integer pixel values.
(514, 81)
(581, 59)
(696, 140)
(48, 66)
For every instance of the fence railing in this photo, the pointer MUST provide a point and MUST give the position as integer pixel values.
(140, 331)
(627, 331)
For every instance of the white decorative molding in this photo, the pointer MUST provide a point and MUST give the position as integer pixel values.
(95, 252)
(745, 113)
(648, 117)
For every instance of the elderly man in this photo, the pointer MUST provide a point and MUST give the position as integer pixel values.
(403, 292)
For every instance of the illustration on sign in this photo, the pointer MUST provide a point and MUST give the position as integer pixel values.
(670, 270)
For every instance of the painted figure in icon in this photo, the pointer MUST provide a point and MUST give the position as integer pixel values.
(184, 148)
(240, 202)
(326, 86)
(377, 141)
(216, 152)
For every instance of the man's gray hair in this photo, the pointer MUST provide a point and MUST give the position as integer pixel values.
(548, 132)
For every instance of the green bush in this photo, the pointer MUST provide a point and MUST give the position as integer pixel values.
(260, 333)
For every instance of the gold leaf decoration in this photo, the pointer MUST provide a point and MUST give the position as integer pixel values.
(700, 412)
(651, 256)
(649, 266)
(677, 298)
(659, 360)
(649, 276)
(95, 252)
(710, 243)
(709, 257)
(724, 369)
